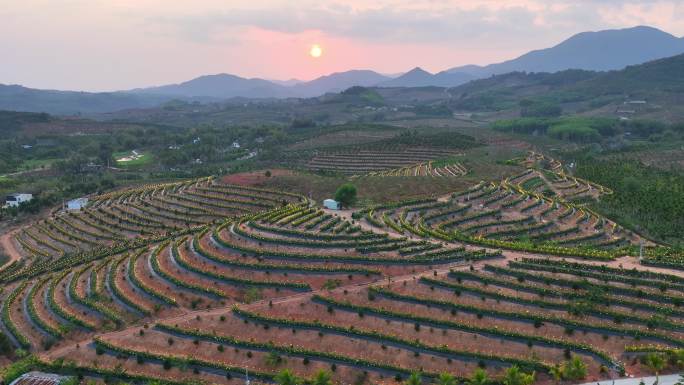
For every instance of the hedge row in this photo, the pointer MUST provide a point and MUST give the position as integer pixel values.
(233, 280)
(31, 307)
(528, 317)
(199, 249)
(132, 273)
(492, 331)
(54, 306)
(204, 290)
(116, 290)
(7, 319)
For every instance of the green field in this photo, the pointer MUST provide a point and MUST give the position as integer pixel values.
(142, 159)
(32, 164)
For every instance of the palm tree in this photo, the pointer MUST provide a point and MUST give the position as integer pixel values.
(515, 376)
(479, 377)
(414, 379)
(557, 373)
(322, 377)
(286, 377)
(655, 362)
(575, 369)
(446, 379)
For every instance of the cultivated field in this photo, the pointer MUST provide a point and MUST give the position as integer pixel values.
(365, 161)
(209, 281)
(133, 217)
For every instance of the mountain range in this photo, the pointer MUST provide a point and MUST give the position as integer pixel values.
(594, 51)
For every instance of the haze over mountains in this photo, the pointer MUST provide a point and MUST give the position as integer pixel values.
(594, 51)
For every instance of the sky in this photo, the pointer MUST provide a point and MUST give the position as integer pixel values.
(104, 45)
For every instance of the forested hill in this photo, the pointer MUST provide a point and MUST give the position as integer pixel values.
(661, 80)
(659, 75)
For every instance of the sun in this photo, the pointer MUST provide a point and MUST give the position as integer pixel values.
(316, 51)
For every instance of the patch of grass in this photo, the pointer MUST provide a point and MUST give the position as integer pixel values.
(32, 164)
(142, 159)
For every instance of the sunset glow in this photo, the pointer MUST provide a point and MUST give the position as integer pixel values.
(316, 51)
(179, 41)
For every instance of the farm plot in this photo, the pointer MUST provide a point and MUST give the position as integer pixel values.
(283, 252)
(534, 314)
(361, 162)
(429, 168)
(118, 218)
(547, 176)
(507, 216)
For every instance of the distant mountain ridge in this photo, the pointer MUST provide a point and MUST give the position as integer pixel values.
(222, 86)
(593, 51)
(418, 77)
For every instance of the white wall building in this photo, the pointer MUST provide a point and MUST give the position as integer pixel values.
(77, 204)
(14, 200)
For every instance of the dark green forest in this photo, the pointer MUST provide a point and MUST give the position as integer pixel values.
(645, 199)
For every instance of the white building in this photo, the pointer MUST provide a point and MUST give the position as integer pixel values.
(77, 204)
(236, 144)
(331, 204)
(14, 200)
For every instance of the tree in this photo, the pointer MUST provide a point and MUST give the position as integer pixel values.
(273, 359)
(322, 377)
(414, 379)
(346, 194)
(678, 357)
(479, 377)
(286, 377)
(446, 379)
(557, 372)
(574, 369)
(655, 362)
(515, 376)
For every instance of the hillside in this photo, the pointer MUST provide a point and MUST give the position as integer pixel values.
(222, 86)
(660, 81)
(337, 82)
(594, 51)
(18, 98)
(225, 277)
(418, 77)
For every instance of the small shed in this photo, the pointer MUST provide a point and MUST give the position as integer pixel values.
(77, 204)
(331, 204)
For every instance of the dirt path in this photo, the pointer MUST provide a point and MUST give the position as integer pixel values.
(9, 248)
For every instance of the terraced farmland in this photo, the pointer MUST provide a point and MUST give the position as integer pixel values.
(283, 252)
(533, 314)
(129, 217)
(205, 281)
(429, 168)
(547, 176)
(361, 162)
(504, 216)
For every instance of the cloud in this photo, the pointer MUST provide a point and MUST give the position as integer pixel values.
(381, 24)
(428, 22)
